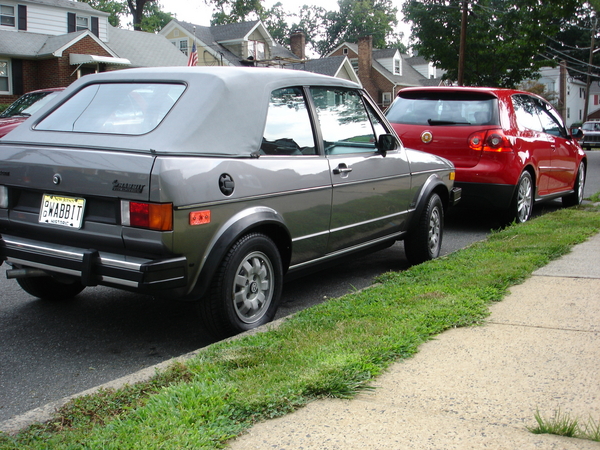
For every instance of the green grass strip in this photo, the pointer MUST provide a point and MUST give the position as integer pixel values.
(331, 350)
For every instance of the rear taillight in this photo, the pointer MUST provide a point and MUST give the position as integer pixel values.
(153, 216)
(490, 141)
(476, 140)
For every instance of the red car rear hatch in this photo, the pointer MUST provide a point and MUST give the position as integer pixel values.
(447, 124)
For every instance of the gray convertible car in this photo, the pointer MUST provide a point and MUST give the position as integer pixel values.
(211, 185)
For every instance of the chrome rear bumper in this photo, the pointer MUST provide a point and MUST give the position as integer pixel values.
(94, 267)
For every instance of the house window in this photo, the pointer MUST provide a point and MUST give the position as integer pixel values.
(397, 66)
(257, 50)
(7, 16)
(345, 51)
(182, 45)
(4, 76)
(386, 98)
(568, 113)
(83, 23)
(596, 99)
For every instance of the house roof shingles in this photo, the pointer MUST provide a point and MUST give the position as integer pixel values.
(33, 45)
(325, 66)
(144, 49)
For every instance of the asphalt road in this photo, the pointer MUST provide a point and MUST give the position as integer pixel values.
(51, 350)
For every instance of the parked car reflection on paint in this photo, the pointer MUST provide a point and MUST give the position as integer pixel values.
(591, 134)
(210, 185)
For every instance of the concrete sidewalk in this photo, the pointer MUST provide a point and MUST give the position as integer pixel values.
(478, 387)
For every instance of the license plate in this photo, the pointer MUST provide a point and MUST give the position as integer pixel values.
(64, 211)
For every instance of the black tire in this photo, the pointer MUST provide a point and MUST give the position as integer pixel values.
(425, 241)
(47, 288)
(521, 206)
(246, 289)
(576, 197)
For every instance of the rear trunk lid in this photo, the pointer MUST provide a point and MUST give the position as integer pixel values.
(70, 195)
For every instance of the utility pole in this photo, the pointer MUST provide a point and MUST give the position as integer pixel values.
(562, 96)
(463, 40)
(588, 82)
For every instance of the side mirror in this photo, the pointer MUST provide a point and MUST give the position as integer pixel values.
(577, 134)
(386, 143)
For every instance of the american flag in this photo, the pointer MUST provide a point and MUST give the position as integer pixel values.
(193, 59)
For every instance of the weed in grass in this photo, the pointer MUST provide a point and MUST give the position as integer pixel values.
(594, 197)
(592, 430)
(562, 424)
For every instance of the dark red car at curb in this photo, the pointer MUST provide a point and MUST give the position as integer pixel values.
(510, 148)
(23, 107)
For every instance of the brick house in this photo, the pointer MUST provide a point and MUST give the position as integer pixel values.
(51, 43)
(384, 72)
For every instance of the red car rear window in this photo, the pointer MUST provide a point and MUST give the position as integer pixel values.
(443, 108)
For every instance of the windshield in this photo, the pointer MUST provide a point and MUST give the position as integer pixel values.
(591, 126)
(114, 108)
(27, 104)
(435, 109)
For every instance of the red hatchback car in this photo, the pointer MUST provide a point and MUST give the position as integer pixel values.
(25, 106)
(510, 148)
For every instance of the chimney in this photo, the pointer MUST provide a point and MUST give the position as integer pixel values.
(298, 44)
(365, 57)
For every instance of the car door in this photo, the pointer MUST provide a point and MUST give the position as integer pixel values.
(564, 149)
(296, 170)
(532, 140)
(371, 191)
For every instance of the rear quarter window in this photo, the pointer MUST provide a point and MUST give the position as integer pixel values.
(443, 108)
(114, 108)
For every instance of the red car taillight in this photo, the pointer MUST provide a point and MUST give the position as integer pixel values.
(490, 141)
(153, 216)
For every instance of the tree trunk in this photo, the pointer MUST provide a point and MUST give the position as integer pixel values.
(136, 8)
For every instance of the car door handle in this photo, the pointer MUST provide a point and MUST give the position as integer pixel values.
(342, 168)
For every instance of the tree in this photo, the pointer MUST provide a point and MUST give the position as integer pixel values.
(572, 43)
(275, 20)
(310, 22)
(504, 38)
(116, 9)
(154, 18)
(357, 18)
(235, 11)
(324, 30)
(136, 8)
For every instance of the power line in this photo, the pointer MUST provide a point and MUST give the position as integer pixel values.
(578, 61)
(567, 45)
(571, 68)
